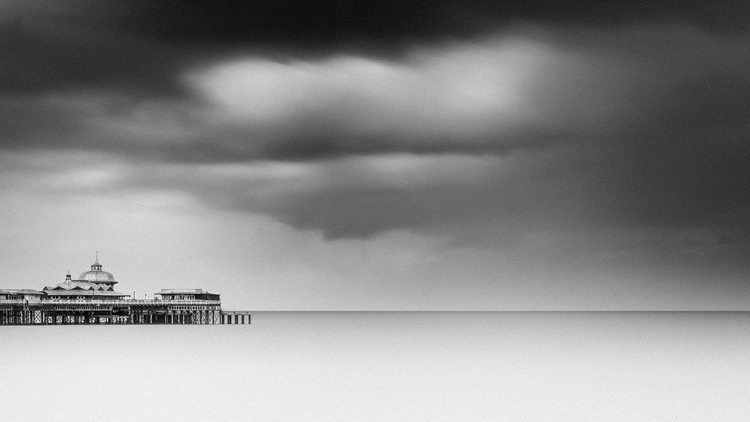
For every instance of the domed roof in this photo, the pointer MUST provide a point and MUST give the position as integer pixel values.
(96, 275)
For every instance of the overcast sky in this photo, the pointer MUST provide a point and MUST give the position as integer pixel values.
(381, 154)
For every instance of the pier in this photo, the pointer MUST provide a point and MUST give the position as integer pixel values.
(92, 299)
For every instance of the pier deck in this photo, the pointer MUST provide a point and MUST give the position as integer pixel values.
(53, 312)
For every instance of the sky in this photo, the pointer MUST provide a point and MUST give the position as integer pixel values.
(381, 155)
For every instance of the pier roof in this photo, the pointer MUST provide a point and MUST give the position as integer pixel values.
(181, 291)
(77, 285)
(81, 288)
(22, 292)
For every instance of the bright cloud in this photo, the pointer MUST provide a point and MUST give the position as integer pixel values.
(458, 92)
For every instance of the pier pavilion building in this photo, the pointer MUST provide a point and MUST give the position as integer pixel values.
(185, 294)
(92, 299)
(94, 284)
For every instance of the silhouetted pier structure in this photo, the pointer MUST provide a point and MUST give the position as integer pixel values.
(92, 299)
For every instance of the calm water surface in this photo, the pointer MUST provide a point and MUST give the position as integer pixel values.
(350, 366)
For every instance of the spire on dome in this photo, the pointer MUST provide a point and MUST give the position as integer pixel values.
(96, 266)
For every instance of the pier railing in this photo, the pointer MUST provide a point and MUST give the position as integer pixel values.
(111, 302)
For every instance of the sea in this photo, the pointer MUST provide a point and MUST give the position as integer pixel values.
(386, 366)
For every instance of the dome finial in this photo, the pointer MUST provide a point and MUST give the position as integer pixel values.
(96, 266)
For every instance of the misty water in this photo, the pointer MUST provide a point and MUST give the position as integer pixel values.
(385, 366)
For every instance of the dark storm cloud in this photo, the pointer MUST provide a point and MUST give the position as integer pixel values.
(642, 123)
(140, 46)
(72, 45)
(376, 24)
